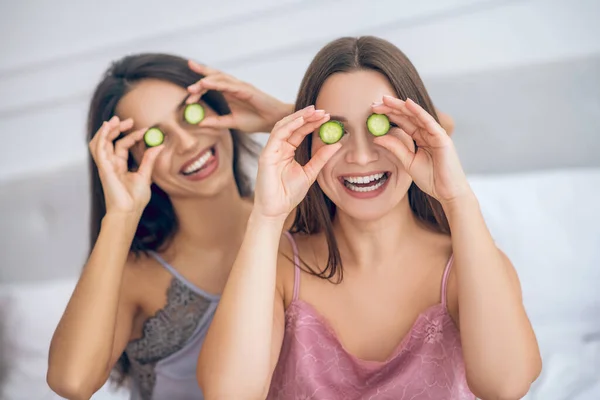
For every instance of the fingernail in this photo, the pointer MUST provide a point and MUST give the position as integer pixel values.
(376, 103)
(388, 96)
(311, 107)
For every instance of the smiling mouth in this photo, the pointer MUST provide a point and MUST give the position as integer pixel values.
(201, 162)
(362, 184)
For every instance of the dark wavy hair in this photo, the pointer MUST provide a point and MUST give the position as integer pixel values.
(316, 211)
(158, 223)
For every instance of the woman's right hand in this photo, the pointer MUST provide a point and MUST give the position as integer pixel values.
(125, 192)
(282, 182)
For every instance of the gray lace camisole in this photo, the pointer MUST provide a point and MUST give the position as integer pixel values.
(163, 360)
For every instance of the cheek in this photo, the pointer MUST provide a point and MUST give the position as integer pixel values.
(227, 143)
(162, 167)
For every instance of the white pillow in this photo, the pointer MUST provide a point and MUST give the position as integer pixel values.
(33, 312)
(548, 223)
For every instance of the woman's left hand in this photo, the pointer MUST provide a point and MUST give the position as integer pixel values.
(252, 110)
(435, 166)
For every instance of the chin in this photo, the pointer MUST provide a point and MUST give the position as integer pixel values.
(365, 213)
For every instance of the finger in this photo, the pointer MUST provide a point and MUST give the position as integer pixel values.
(305, 112)
(103, 155)
(430, 124)
(398, 148)
(284, 132)
(114, 129)
(309, 127)
(202, 69)
(319, 159)
(196, 92)
(194, 98)
(122, 146)
(405, 123)
(93, 145)
(126, 125)
(315, 116)
(219, 122)
(396, 104)
(236, 89)
(148, 161)
(396, 117)
(400, 107)
(380, 108)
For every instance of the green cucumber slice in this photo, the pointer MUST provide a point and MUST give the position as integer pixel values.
(154, 137)
(378, 124)
(193, 113)
(331, 132)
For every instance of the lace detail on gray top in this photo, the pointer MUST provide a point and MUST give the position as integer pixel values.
(165, 333)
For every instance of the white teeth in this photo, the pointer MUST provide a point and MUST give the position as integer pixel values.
(199, 163)
(364, 179)
(380, 179)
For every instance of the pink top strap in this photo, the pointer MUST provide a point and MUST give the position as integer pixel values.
(445, 279)
(296, 266)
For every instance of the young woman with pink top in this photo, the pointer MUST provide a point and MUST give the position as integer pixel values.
(389, 284)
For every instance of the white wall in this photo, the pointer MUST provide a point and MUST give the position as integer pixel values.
(53, 53)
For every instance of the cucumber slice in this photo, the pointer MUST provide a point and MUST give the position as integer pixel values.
(154, 137)
(331, 131)
(193, 113)
(378, 124)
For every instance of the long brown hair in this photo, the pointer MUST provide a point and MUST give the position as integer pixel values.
(316, 212)
(158, 223)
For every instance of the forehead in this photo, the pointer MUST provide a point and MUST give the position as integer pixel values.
(150, 101)
(349, 92)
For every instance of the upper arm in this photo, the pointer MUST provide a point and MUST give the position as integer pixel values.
(512, 274)
(126, 314)
(277, 331)
(283, 290)
(453, 306)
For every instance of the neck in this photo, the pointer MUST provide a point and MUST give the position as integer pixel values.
(371, 244)
(212, 222)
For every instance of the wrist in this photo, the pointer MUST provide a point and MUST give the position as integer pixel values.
(121, 220)
(465, 203)
(258, 219)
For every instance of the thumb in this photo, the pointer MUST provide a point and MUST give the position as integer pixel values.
(148, 161)
(398, 148)
(318, 161)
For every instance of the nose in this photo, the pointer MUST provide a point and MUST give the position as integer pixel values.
(184, 140)
(361, 149)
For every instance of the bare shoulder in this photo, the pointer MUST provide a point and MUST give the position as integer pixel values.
(139, 276)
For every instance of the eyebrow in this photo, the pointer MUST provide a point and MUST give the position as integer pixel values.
(178, 108)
